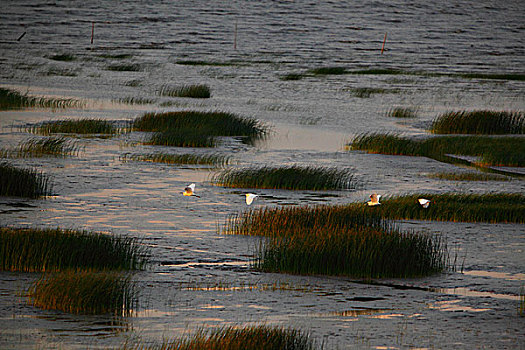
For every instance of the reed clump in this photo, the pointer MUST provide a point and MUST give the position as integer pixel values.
(44, 250)
(352, 240)
(136, 100)
(12, 99)
(490, 151)
(328, 71)
(65, 57)
(192, 91)
(492, 207)
(132, 67)
(85, 292)
(19, 182)
(366, 92)
(42, 147)
(188, 158)
(82, 126)
(196, 129)
(484, 122)
(289, 177)
(260, 337)
(469, 177)
(402, 112)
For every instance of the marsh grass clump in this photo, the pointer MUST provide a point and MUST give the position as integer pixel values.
(366, 92)
(75, 126)
(469, 177)
(402, 112)
(479, 122)
(132, 67)
(65, 57)
(196, 129)
(136, 100)
(490, 151)
(328, 71)
(492, 208)
(38, 250)
(19, 182)
(85, 292)
(292, 76)
(378, 71)
(43, 147)
(192, 91)
(351, 240)
(234, 338)
(289, 177)
(12, 99)
(188, 158)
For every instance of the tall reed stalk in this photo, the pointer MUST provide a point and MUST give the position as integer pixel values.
(19, 182)
(479, 122)
(85, 292)
(235, 338)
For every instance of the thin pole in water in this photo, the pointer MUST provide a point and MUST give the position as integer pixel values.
(21, 36)
(383, 47)
(235, 36)
(92, 31)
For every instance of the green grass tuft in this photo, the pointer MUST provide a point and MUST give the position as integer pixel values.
(75, 126)
(190, 159)
(39, 250)
(290, 177)
(83, 292)
(402, 112)
(66, 57)
(18, 182)
(192, 91)
(352, 240)
(479, 122)
(328, 71)
(12, 99)
(469, 177)
(42, 147)
(492, 151)
(235, 338)
(196, 129)
(135, 67)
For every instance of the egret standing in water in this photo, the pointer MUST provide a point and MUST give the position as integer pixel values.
(374, 200)
(424, 202)
(188, 191)
(250, 197)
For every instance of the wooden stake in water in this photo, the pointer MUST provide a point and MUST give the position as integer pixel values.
(21, 36)
(92, 31)
(383, 47)
(235, 36)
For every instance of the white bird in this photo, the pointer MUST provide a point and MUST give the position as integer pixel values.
(424, 202)
(250, 197)
(374, 200)
(188, 191)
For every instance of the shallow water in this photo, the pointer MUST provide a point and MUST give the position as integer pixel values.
(199, 278)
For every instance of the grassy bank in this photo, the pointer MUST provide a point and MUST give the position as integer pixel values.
(83, 292)
(196, 129)
(42, 147)
(74, 126)
(493, 208)
(188, 158)
(22, 182)
(483, 122)
(338, 240)
(492, 151)
(32, 250)
(12, 99)
(235, 338)
(192, 91)
(290, 177)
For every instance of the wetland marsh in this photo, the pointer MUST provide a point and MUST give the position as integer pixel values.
(307, 78)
